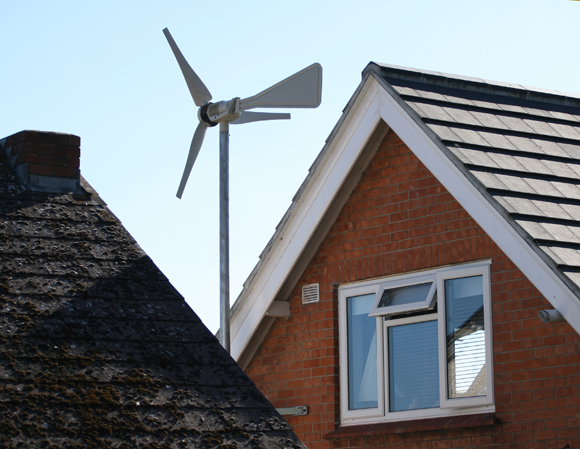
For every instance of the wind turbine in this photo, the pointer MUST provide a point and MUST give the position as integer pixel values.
(301, 90)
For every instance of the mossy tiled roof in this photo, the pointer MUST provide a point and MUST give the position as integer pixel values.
(97, 349)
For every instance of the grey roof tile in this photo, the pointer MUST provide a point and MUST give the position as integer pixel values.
(567, 131)
(524, 144)
(489, 120)
(534, 165)
(462, 116)
(430, 95)
(571, 209)
(535, 229)
(562, 233)
(490, 180)
(571, 150)
(563, 169)
(537, 112)
(516, 184)
(508, 162)
(512, 108)
(575, 230)
(567, 190)
(516, 124)
(486, 104)
(455, 99)
(496, 140)
(542, 127)
(444, 133)
(575, 168)
(565, 116)
(402, 90)
(552, 254)
(543, 187)
(476, 157)
(470, 136)
(431, 111)
(538, 208)
(462, 154)
(574, 276)
(549, 147)
(564, 256)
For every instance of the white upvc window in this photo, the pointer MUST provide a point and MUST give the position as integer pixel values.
(416, 345)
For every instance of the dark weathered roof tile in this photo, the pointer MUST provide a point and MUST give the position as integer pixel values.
(97, 349)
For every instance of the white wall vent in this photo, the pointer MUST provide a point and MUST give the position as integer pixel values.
(310, 293)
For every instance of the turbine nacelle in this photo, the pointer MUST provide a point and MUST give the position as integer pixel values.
(223, 111)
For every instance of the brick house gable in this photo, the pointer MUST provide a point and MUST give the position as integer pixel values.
(399, 218)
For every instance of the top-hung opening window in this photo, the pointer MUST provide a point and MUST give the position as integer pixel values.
(416, 345)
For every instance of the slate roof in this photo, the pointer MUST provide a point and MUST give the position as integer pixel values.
(520, 145)
(97, 349)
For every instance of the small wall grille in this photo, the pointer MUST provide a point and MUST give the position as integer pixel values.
(310, 293)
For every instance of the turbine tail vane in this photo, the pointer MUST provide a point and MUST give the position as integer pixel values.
(301, 90)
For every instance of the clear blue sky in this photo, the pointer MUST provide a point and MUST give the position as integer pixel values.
(104, 71)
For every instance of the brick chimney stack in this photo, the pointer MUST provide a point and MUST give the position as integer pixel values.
(45, 161)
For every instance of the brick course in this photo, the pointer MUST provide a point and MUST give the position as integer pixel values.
(400, 218)
(48, 154)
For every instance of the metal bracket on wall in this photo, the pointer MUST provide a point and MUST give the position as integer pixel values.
(293, 411)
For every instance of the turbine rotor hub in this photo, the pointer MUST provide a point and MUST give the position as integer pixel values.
(223, 111)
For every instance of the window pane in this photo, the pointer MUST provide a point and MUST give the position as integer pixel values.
(413, 366)
(405, 295)
(362, 353)
(465, 337)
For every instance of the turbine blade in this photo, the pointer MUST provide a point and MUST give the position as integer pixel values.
(194, 148)
(199, 92)
(301, 90)
(248, 117)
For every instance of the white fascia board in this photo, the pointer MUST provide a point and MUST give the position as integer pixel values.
(415, 136)
(339, 157)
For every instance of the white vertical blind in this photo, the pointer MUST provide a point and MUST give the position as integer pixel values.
(465, 337)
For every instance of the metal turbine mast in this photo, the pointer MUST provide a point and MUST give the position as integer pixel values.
(301, 90)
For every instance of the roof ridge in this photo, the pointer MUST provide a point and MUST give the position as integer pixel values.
(473, 84)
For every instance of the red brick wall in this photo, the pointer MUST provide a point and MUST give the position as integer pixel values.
(400, 218)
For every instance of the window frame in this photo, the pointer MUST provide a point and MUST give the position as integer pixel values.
(405, 281)
(447, 407)
(462, 272)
